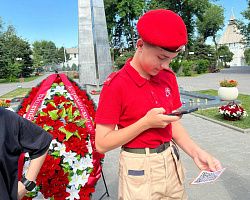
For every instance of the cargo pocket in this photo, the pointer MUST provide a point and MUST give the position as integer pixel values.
(135, 179)
(178, 165)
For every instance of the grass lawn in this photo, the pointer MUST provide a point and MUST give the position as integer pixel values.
(18, 80)
(19, 92)
(213, 113)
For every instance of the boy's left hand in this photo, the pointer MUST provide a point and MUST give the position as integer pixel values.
(207, 162)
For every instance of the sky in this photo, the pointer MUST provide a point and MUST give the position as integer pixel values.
(57, 20)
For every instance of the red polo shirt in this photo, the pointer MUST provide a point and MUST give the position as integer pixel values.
(126, 97)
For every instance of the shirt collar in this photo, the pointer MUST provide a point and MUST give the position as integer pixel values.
(136, 77)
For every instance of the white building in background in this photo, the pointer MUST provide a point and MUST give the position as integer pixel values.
(235, 41)
(73, 56)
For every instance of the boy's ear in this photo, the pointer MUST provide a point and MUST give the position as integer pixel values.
(139, 43)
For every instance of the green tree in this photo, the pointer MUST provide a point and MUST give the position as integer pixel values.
(188, 10)
(245, 27)
(15, 55)
(74, 67)
(210, 23)
(121, 19)
(225, 54)
(247, 56)
(44, 53)
(61, 55)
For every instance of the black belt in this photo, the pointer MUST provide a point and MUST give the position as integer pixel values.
(158, 149)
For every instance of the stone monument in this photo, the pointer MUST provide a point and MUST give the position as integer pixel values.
(94, 51)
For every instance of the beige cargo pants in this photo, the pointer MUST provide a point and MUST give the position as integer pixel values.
(156, 176)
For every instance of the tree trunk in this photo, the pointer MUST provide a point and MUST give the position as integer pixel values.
(216, 51)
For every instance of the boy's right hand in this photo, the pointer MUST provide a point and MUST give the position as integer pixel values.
(155, 118)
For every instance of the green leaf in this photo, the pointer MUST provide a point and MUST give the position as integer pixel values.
(76, 113)
(67, 133)
(46, 128)
(53, 104)
(66, 167)
(80, 123)
(43, 114)
(90, 170)
(69, 111)
(54, 85)
(56, 153)
(61, 105)
(63, 113)
(53, 114)
(77, 135)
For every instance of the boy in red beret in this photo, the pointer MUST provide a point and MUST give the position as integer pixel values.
(138, 99)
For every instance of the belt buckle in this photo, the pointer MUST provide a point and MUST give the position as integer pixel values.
(160, 148)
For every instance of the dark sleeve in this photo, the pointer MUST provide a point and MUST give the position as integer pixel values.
(32, 138)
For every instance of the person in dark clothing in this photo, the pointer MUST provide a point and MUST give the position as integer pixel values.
(18, 135)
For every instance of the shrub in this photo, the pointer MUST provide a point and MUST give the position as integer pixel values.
(187, 67)
(201, 66)
(175, 65)
(120, 61)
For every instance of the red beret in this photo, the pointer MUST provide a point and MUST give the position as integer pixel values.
(163, 28)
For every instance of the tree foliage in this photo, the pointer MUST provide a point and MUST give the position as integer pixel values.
(44, 53)
(245, 27)
(121, 18)
(211, 22)
(15, 54)
(225, 54)
(247, 56)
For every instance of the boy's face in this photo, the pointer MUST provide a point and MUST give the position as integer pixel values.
(153, 58)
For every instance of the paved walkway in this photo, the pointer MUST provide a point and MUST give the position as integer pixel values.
(7, 87)
(231, 147)
(211, 80)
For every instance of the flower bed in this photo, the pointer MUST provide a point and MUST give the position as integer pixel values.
(72, 166)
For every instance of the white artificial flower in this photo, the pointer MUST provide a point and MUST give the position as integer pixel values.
(60, 89)
(53, 144)
(87, 162)
(68, 96)
(69, 157)
(49, 94)
(61, 148)
(74, 193)
(78, 165)
(78, 180)
(89, 147)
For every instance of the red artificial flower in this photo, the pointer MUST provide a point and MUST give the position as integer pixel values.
(85, 193)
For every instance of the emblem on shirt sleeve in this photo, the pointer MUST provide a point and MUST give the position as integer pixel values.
(167, 91)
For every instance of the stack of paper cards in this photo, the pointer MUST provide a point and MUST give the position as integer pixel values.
(207, 176)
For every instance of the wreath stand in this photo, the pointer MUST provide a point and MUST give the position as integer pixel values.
(106, 188)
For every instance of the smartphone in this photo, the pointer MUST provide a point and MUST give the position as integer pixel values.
(183, 111)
